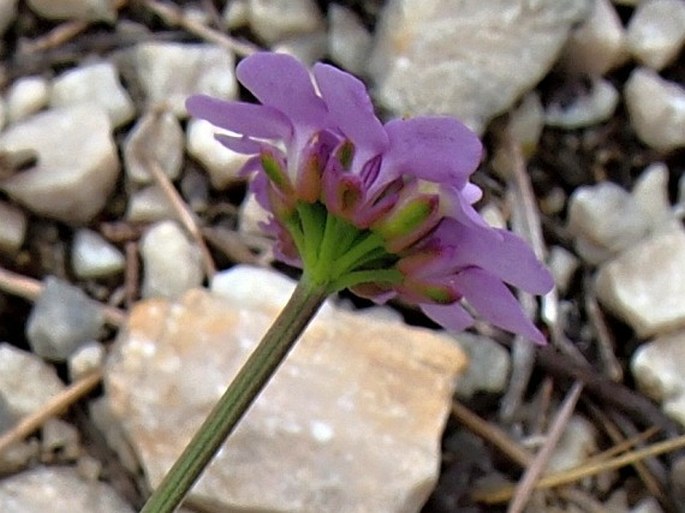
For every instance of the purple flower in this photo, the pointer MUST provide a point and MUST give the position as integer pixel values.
(386, 210)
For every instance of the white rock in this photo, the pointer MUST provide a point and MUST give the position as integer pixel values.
(8, 11)
(349, 43)
(657, 109)
(598, 44)
(12, 228)
(275, 20)
(647, 505)
(26, 381)
(58, 435)
(591, 108)
(605, 219)
(148, 205)
(62, 319)
(646, 284)
(26, 96)
(94, 257)
(307, 48)
(88, 10)
(658, 370)
(489, 366)
(338, 404)
(77, 164)
(170, 72)
(651, 195)
(236, 14)
(252, 214)
(221, 163)
(171, 263)
(527, 121)
(656, 32)
(464, 57)
(95, 83)
(575, 446)
(58, 490)
(156, 137)
(563, 265)
(85, 359)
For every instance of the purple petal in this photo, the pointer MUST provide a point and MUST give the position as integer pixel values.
(437, 149)
(452, 317)
(243, 145)
(282, 82)
(242, 118)
(350, 109)
(495, 302)
(499, 252)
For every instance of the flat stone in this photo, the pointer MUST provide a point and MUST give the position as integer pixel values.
(58, 185)
(656, 32)
(26, 96)
(435, 57)
(170, 72)
(275, 20)
(149, 205)
(657, 109)
(94, 257)
(222, 163)
(95, 83)
(598, 44)
(319, 437)
(157, 138)
(26, 381)
(349, 42)
(12, 228)
(658, 370)
(171, 263)
(62, 319)
(646, 284)
(58, 490)
(87, 10)
(590, 108)
(489, 366)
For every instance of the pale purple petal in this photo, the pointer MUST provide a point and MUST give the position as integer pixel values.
(243, 145)
(452, 316)
(281, 81)
(495, 302)
(351, 110)
(242, 118)
(437, 149)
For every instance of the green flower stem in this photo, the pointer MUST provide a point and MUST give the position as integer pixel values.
(245, 387)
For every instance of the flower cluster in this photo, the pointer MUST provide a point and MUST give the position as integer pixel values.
(385, 210)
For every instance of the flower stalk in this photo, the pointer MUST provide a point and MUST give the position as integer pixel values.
(305, 301)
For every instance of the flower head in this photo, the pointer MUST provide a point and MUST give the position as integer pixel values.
(385, 210)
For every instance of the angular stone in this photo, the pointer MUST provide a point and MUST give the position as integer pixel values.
(95, 83)
(275, 20)
(157, 137)
(26, 96)
(658, 370)
(60, 186)
(319, 437)
(646, 284)
(463, 57)
(12, 228)
(170, 72)
(489, 365)
(58, 490)
(656, 32)
(62, 319)
(651, 195)
(94, 257)
(149, 205)
(595, 106)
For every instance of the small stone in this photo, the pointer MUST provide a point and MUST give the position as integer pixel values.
(149, 205)
(646, 284)
(658, 370)
(591, 108)
(275, 20)
(94, 83)
(657, 109)
(435, 57)
(656, 32)
(171, 263)
(93, 257)
(16, 457)
(62, 319)
(236, 14)
(170, 72)
(7, 417)
(3, 111)
(338, 404)
(8, 11)
(222, 163)
(57, 490)
(26, 381)
(489, 366)
(651, 195)
(647, 505)
(605, 220)
(12, 228)
(86, 359)
(563, 265)
(526, 123)
(25, 97)
(252, 215)
(109, 425)
(58, 435)
(86, 10)
(598, 44)
(349, 42)
(307, 48)
(157, 138)
(575, 446)
(60, 186)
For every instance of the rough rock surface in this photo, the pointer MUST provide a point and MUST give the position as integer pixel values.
(349, 423)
